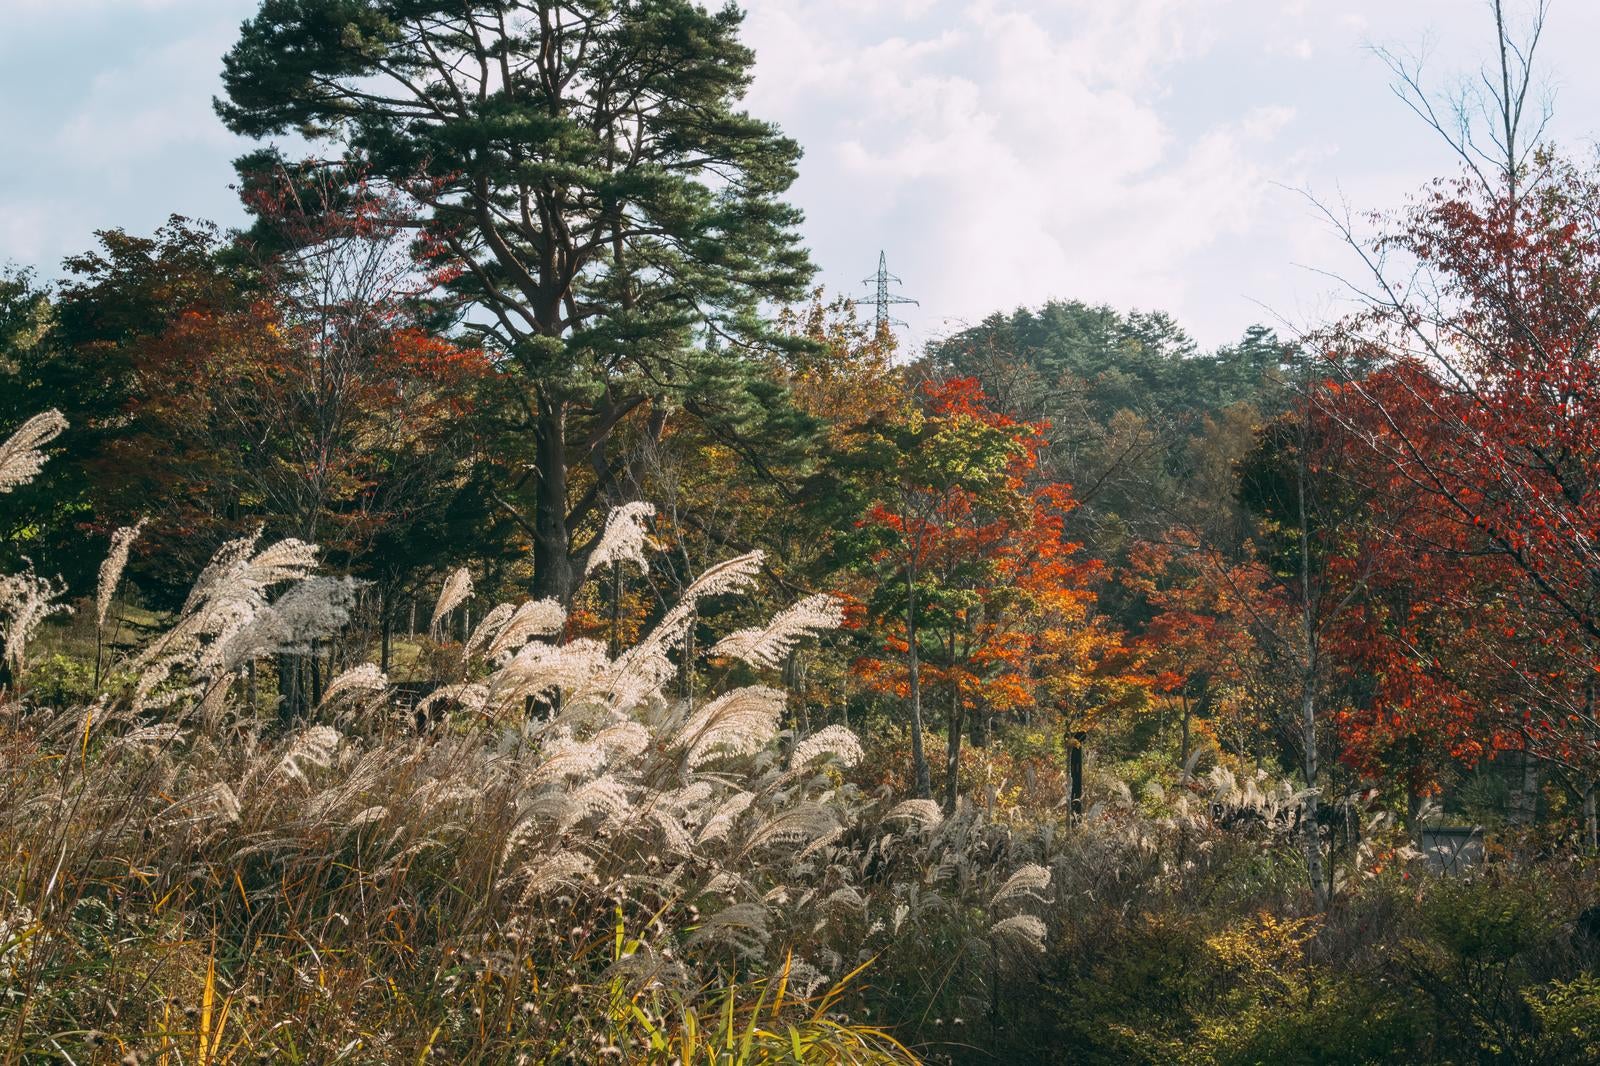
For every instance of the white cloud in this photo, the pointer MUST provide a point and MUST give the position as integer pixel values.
(24, 231)
(155, 100)
(1029, 147)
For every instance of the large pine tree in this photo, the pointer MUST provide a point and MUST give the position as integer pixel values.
(592, 192)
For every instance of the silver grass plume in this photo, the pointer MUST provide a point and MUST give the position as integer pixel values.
(924, 812)
(486, 628)
(230, 592)
(1022, 930)
(1029, 882)
(766, 646)
(644, 668)
(20, 457)
(26, 600)
(541, 669)
(534, 619)
(722, 820)
(364, 678)
(835, 741)
(316, 746)
(469, 696)
(743, 926)
(111, 568)
(560, 870)
(625, 538)
(312, 610)
(800, 824)
(740, 722)
(457, 587)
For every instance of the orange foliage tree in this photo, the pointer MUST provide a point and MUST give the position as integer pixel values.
(981, 592)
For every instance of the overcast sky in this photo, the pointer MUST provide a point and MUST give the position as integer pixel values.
(1144, 153)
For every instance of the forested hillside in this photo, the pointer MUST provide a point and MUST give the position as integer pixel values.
(497, 607)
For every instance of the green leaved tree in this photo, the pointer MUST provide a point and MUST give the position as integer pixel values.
(592, 195)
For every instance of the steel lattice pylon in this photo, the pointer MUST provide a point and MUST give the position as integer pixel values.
(883, 297)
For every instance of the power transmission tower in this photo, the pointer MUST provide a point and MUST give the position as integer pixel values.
(883, 297)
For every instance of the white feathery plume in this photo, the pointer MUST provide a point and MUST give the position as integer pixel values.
(457, 587)
(1029, 882)
(563, 870)
(677, 838)
(226, 598)
(924, 812)
(564, 757)
(111, 568)
(485, 630)
(364, 678)
(625, 538)
(722, 820)
(227, 563)
(604, 795)
(536, 618)
(765, 646)
(834, 740)
(742, 925)
(1022, 929)
(366, 817)
(623, 741)
(313, 609)
(316, 746)
(540, 669)
(644, 668)
(20, 457)
(799, 824)
(805, 978)
(471, 698)
(739, 722)
(731, 575)
(26, 600)
(285, 560)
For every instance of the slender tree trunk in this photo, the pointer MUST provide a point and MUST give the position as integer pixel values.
(1308, 696)
(686, 678)
(1413, 825)
(952, 786)
(1591, 826)
(1075, 774)
(919, 757)
(316, 678)
(616, 609)
(552, 566)
(386, 634)
(288, 689)
(1525, 797)
(1183, 742)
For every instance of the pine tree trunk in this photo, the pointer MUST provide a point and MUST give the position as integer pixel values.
(552, 566)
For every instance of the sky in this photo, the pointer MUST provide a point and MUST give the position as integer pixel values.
(1150, 154)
